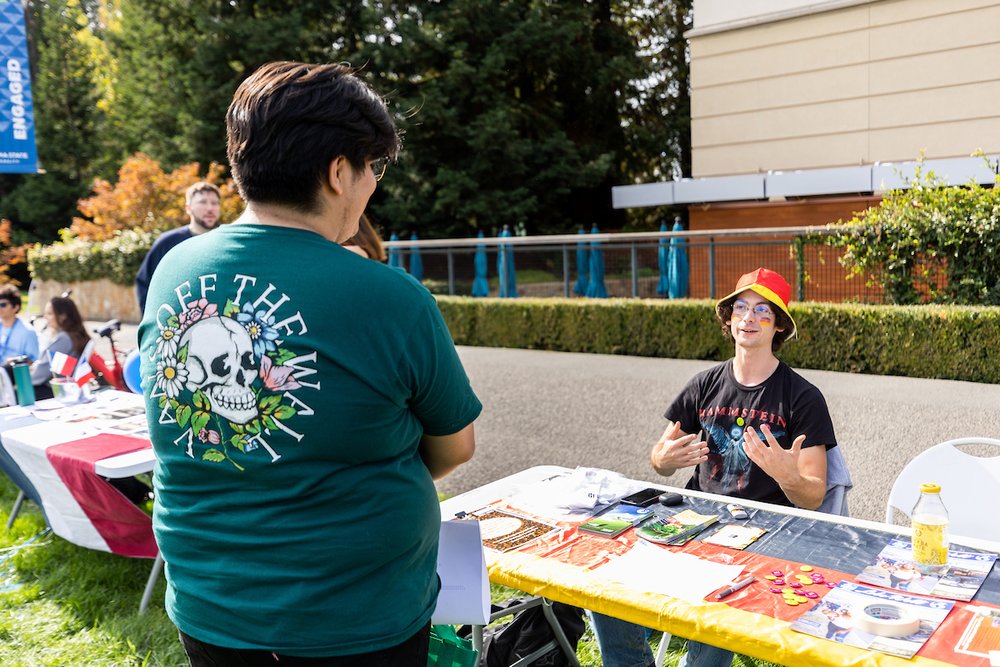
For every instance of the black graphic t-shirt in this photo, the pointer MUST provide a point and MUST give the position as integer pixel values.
(715, 403)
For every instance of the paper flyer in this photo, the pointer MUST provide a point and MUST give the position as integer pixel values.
(893, 568)
(874, 619)
(617, 520)
(503, 531)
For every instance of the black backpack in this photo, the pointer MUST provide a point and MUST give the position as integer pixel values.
(529, 631)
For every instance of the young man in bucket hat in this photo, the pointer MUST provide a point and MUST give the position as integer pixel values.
(766, 431)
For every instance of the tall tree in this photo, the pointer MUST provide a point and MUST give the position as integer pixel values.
(179, 62)
(521, 111)
(67, 123)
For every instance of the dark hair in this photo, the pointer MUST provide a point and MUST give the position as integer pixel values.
(724, 313)
(70, 321)
(10, 293)
(368, 240)
(288, 121)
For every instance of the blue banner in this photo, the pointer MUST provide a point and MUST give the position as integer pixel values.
(18, 154)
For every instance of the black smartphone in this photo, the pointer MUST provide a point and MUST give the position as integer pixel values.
(643, 498)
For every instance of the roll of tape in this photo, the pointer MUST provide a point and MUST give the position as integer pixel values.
(885, 620)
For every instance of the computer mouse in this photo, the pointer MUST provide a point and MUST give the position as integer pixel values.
(670, 498)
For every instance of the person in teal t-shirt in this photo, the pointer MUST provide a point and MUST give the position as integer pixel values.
(301, 399)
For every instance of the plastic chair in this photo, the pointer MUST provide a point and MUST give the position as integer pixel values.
(970, 486)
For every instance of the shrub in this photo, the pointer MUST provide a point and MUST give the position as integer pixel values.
(951, 342)
(147, 198)
(928, 243)
(74, 260)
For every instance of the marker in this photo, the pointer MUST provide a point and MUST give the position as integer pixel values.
(738, 586)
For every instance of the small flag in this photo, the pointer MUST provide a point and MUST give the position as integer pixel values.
(83, 373)
(62, 364)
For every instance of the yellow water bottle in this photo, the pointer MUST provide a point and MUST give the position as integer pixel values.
(929, 519)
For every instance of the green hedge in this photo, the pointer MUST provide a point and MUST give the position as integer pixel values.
(949, 342)
(116, 259)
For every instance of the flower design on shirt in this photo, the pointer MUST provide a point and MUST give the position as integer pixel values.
(170, 375)
(224, 380)
(198, 310)
(166, 344)
(277, 378)
(259, 326)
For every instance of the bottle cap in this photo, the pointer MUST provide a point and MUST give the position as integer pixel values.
(930, 488)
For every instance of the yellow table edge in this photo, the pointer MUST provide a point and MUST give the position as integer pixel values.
(710, 622)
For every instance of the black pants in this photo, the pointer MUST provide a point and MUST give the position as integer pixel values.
(411, 653)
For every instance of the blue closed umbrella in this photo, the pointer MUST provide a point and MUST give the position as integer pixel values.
(677, 265)
(582, 266)
(395, 256)
(596, 288)
(505, 267)
(662, 288)
(416, 263)
(480, 284)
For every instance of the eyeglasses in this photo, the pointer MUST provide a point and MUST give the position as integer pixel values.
(379, 166)
(761, 311)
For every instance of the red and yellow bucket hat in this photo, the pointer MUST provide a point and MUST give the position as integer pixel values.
(768, 284)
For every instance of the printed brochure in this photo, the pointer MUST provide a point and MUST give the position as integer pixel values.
(676, 530)
(503, 531)
(735, 536)
(616, 520)
(849, 613)
(893, 568)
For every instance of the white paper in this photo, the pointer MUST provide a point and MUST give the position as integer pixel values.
(648, 567)
(465, 587)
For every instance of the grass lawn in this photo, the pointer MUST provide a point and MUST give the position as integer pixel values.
(77, 607)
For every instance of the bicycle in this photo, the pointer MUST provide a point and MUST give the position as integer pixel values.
(123, 371)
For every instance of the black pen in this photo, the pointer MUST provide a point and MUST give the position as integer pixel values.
(739, 585)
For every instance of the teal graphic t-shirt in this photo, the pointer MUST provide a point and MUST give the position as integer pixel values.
(288, 383)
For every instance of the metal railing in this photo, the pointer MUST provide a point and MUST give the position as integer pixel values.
(547, 266)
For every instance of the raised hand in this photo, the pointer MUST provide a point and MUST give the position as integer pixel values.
(676, 449)
(781, 464)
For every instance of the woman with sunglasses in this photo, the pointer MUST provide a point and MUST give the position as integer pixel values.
(17, 339)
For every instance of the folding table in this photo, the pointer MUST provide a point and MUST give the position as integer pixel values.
(752, 621)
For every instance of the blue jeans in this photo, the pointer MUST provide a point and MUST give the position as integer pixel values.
(624, 644)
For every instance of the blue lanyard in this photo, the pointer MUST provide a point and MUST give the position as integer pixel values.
(3, 348)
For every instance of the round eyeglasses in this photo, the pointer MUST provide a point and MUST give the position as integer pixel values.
(379, 166)
(761, 311)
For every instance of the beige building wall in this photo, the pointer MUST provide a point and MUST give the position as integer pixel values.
(832, 84)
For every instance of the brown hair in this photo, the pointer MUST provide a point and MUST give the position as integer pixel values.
(368, 239)
(69, 320)
(288, 121)
(198, 188)
(782, 323)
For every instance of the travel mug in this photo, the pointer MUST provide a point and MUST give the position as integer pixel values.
(22, 382)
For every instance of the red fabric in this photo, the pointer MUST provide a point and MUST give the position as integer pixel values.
(127, 529)
(589, 551)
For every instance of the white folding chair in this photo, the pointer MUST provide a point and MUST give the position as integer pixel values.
(970, 485)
